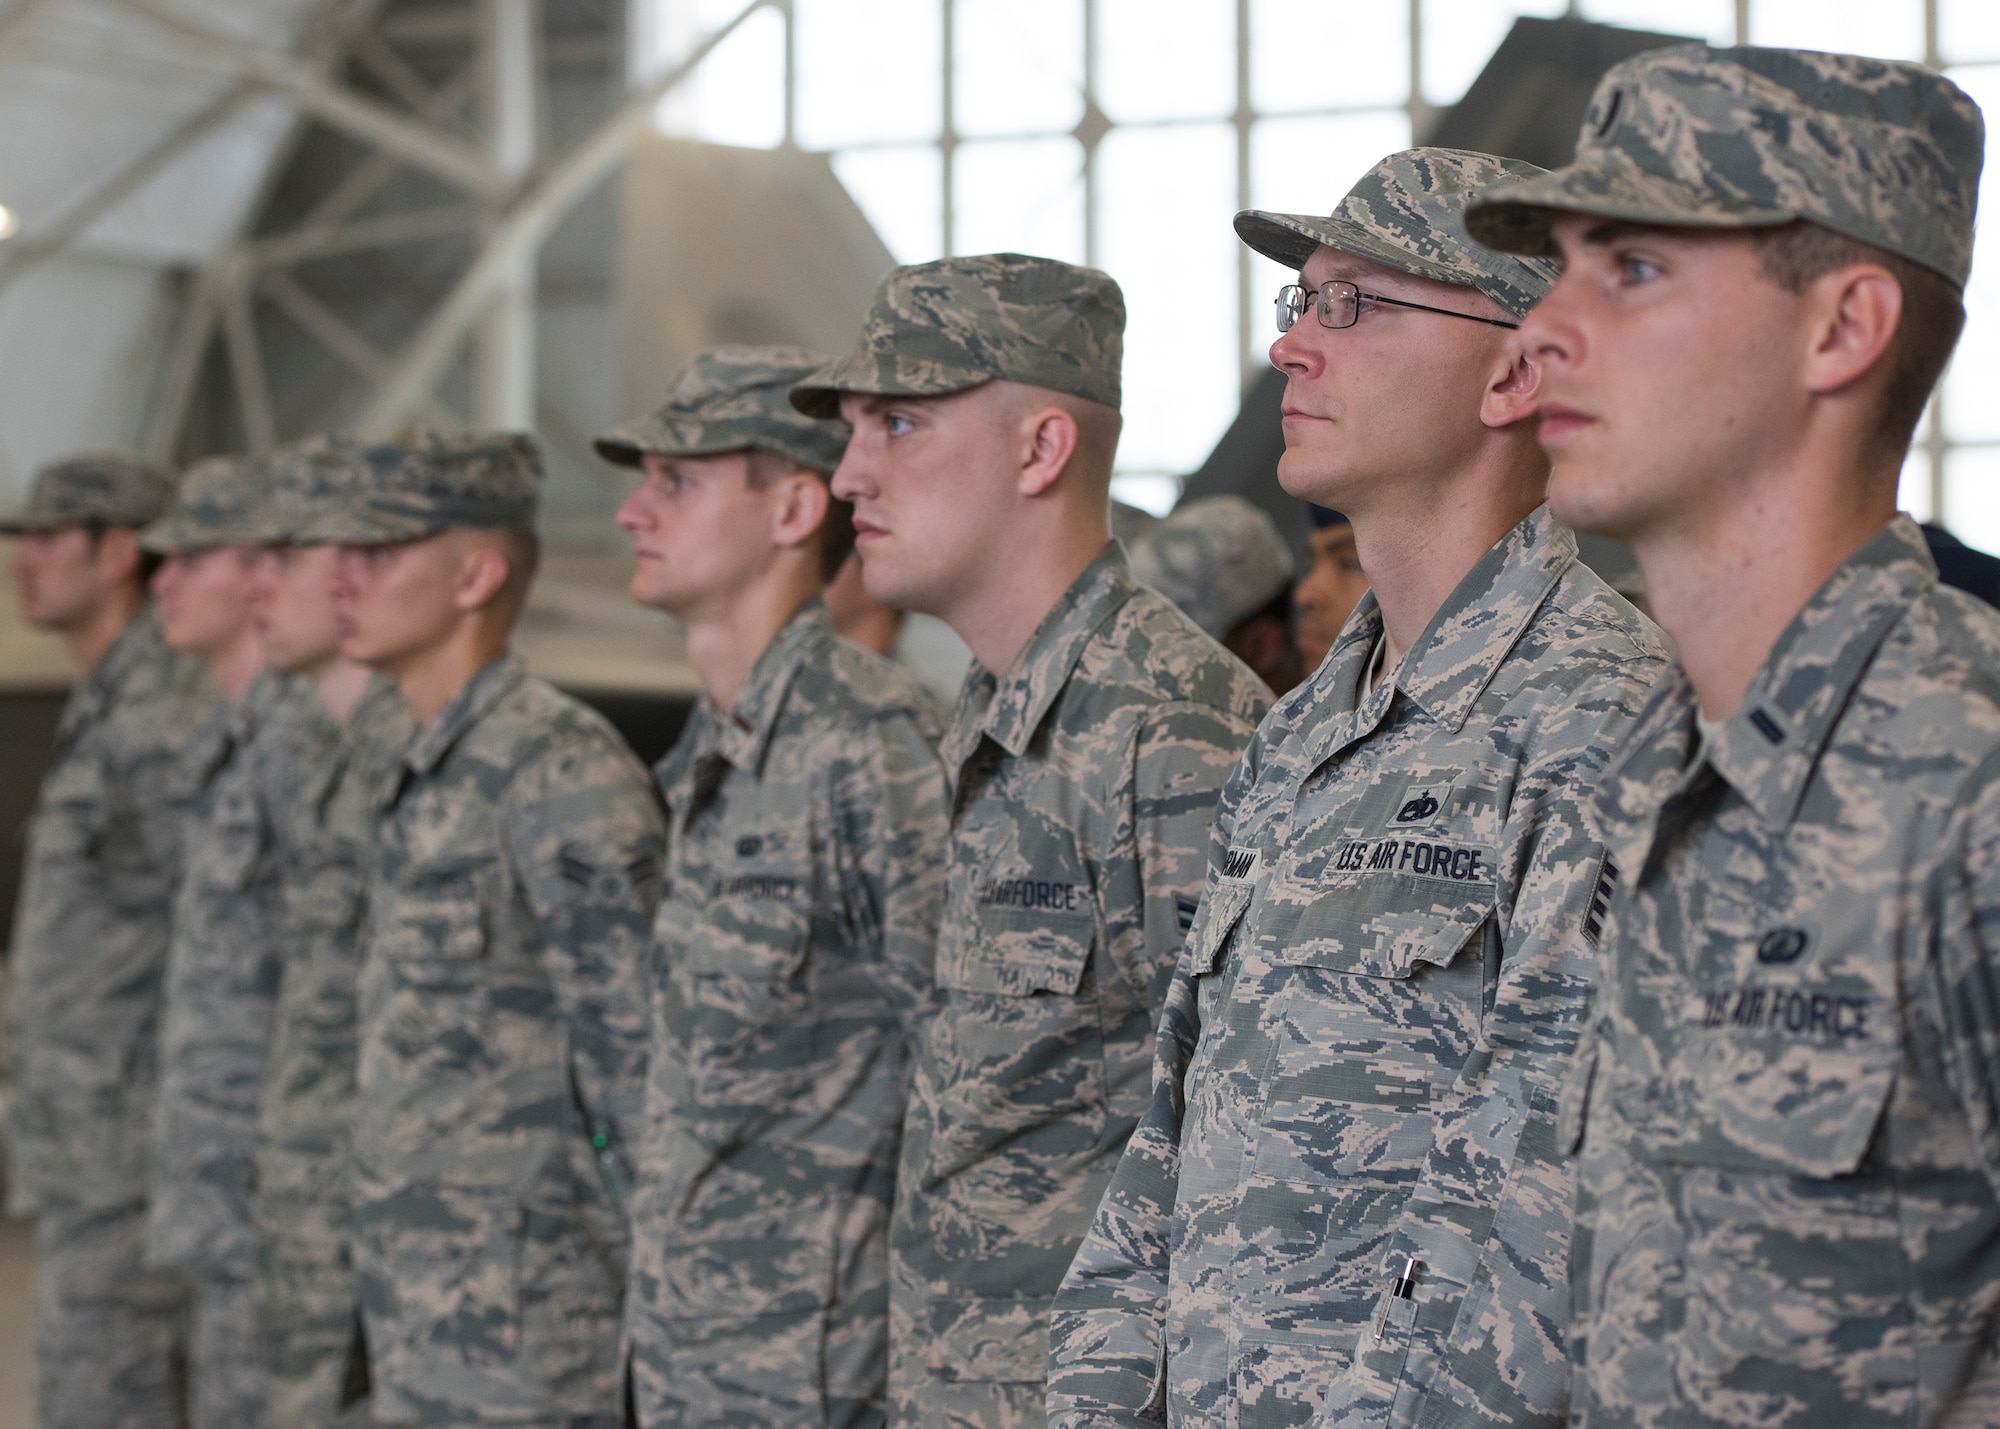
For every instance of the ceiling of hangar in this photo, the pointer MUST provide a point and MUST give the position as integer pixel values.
(128, 152)
(89, 89)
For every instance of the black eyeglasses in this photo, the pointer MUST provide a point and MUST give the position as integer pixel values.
(1339, 305)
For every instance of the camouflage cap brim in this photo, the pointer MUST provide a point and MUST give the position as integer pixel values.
(694, 436)
(383, 521)
(176, 535)
(1407, 213)
(1884, 152)
(101, 488)
(1518, 217)
(1291, 238)
(25, 521)
(884, 375)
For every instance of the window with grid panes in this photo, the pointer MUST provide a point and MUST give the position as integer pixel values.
(1125, 133)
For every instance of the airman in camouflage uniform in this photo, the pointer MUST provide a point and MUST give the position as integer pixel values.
(221, 976)
(502, 1010)
(89, 945)
(324, 775)
(1789, 1180)
(792, 947)
(1222, 561)
(1344, 1205)
(1084, 775)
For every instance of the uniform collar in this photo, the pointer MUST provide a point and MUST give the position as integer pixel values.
(742, 735)
(493, 683)
(133, 647)
(1015, 702)
(267, 691)
(1456, 657)
(1768, 749)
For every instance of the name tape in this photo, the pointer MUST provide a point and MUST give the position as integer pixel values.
(1792, 1011)
(1420, 858)
(1046, 895)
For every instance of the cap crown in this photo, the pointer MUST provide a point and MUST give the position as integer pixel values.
(1220, 559)
(312, 480)
(958, 322)
(1882, 151)
(115, 490)
(1408, 213)
(731, 398)
(223, 501)
(426, 481)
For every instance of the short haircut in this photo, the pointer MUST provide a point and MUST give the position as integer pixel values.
(523, 550)
(836, 531)
(1793, 255)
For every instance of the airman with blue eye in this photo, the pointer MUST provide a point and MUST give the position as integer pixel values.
(1091, 735)
(89, 944)
(1788, 1200)
(791, 971)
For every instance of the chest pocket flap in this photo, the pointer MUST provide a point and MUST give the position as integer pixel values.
(1016, 951)
(1386, 932)
(757, 927)
(1802, 1109)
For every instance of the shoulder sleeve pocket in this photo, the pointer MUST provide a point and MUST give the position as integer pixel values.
(1221, 910)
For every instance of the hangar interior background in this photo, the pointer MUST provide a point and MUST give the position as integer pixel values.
(225, 225)
(234, 224)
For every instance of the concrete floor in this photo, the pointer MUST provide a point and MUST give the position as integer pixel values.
(17, 1325)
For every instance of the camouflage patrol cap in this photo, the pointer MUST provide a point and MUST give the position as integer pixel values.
(423, 482)
(313, 481)
(112, 490)
(1882, 151)
(959, 322)
(1220, 559)
(223, 501)
(1408, 213)
(731, 398)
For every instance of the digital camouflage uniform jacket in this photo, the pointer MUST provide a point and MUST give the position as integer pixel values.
(1084, 785)
(502, 1030)
(307, 1291)
(92, 925)
(1789, 1096)
(222, 979)
(791, 976)
(1361, 1054)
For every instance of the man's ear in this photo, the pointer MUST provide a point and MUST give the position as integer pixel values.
(1513, 388)
(1851, 318)
(482, 572)
(799, 510)
(1048, 436)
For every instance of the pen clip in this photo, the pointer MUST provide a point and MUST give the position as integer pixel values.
(1399, 1289)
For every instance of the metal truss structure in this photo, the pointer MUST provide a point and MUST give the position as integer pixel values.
(445, 102)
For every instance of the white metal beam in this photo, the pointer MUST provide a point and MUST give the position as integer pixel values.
(421, 145)
(45, 243)
(543, 203)
(504, 354)
(302, 245)
(246, 364)
(19, 22)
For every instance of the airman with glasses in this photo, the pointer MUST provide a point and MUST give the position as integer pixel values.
(1345, 1201)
